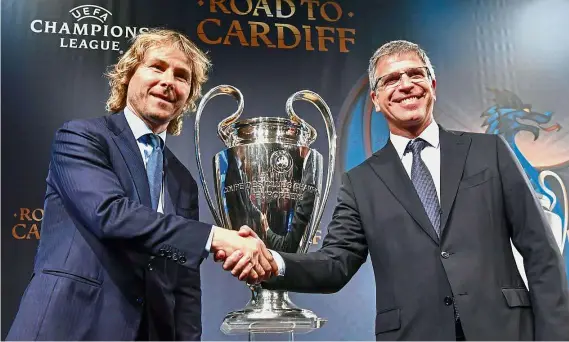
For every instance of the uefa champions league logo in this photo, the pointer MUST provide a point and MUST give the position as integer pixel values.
(90, 30)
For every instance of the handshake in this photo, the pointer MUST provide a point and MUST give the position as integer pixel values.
(244, 254)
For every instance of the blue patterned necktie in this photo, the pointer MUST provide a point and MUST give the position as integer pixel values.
(424, 184)
(154, 167)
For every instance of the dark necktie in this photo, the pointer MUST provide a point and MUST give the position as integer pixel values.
(154, 168)
(425, 187)
(424, 184)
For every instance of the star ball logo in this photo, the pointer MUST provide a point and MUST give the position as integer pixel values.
(89, 31)
(281, 161)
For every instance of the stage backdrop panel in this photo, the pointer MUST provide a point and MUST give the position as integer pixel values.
(500, 66)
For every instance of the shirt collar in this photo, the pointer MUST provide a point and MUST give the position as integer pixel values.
(138, 126)
(430, 135)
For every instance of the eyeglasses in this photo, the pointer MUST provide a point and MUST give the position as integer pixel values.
(392, 80)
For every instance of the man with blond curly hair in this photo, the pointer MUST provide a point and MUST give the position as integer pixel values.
(121, 245)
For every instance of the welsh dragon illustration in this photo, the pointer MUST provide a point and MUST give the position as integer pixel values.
(503, 118)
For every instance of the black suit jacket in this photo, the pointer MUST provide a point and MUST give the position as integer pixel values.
(486, 200)
(93, 274)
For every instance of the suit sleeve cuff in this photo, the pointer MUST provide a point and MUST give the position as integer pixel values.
(208, 243)
(280, 263)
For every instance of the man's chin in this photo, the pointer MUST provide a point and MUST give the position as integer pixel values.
(415, 119)
(160, 118)
(414, 123)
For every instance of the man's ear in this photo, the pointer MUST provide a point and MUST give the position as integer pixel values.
(126, 79)
(373, 96)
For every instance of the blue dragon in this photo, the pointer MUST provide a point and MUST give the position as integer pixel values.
(504, 117)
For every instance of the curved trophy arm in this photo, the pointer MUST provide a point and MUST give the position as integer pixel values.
(218, 90)
(229, 90)
(542, 176)
(316, 100)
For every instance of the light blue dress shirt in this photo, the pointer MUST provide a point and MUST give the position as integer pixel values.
(139, 128)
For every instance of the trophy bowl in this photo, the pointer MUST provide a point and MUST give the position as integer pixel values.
(269, 179)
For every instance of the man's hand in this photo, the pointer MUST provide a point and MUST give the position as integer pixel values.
(245, 231)
(233, 260)
(249, 258)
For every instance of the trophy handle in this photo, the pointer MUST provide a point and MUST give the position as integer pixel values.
(229, 90)
(218, 90)
(323, 108)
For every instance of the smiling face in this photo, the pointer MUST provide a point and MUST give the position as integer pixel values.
(407, 104)
(160, 87)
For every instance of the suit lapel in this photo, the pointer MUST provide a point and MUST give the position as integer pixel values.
(454, 150)
(171, 186)
(128, 147)
(388, 167)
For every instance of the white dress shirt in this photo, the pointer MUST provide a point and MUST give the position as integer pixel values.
(431, 156)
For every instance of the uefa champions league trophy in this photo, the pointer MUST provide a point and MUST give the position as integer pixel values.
(269, 179)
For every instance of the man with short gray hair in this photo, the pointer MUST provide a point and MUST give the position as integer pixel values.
(436, 210)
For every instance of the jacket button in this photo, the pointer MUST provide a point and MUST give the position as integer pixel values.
(448, 301)
(445, 255)
(182, 260)
(139, 300)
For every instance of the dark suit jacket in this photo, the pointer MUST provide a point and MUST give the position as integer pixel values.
(93, 275)
(486, 200)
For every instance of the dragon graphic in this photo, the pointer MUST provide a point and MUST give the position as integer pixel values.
(504, 118)
(509, 116)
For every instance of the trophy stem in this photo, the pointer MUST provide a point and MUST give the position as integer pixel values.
(270, 312)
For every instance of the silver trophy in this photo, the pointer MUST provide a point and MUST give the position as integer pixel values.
(269, 179)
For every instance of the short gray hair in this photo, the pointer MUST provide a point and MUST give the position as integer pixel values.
(397, 47)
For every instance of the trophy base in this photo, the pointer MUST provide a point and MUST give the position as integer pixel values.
(270, 312)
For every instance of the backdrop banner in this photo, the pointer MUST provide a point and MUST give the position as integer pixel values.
(501, 68)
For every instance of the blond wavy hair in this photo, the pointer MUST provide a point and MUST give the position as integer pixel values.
(120, 73)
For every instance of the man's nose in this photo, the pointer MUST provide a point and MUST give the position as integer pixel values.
(405, 82)
(167, 78)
